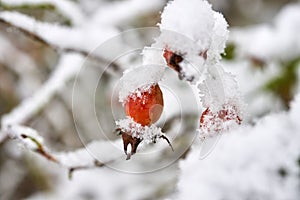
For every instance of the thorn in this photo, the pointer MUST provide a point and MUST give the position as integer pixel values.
(165, 138)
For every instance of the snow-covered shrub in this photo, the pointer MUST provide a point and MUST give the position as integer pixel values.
(259, 159)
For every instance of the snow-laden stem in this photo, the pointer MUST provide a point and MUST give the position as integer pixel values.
(57, 48)
(33, 141)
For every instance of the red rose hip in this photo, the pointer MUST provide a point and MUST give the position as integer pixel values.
(145, 107)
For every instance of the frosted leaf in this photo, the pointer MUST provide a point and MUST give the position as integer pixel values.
(139, 78)
(148, 134)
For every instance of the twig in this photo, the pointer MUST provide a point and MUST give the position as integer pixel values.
(32, 141)
(96, 165)
(40, 149)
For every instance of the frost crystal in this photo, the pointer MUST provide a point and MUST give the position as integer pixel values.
(148, 134)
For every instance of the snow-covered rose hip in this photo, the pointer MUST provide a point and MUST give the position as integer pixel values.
(215, 122)
(145, 105)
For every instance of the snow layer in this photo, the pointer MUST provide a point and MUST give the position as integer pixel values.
(246, 163)
(138, 78)
(190, 28)
(26, 136)
(148, 134)
(192, 19)
(56, 35)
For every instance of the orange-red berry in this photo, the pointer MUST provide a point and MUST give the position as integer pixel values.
(145, 107)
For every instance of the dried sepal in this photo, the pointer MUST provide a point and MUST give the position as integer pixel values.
(133, 141)
(173, 60)
(134, 133)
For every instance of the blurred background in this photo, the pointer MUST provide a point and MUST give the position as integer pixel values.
(263, 51)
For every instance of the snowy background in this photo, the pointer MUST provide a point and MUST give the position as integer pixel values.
(53, 90)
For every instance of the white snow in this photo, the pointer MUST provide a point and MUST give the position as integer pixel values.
(60, 36)
(219, 37)
(153, 56)
(148, 134)
(25, 136)
(139, 78)
(245, 163)
(218, 88)
(190, 28)
(103, 151)
(192, 19)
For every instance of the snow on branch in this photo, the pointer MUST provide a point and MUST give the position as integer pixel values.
(50, 35)
(77, 160)
(66, 69)
(67, 8)
(30, 139)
